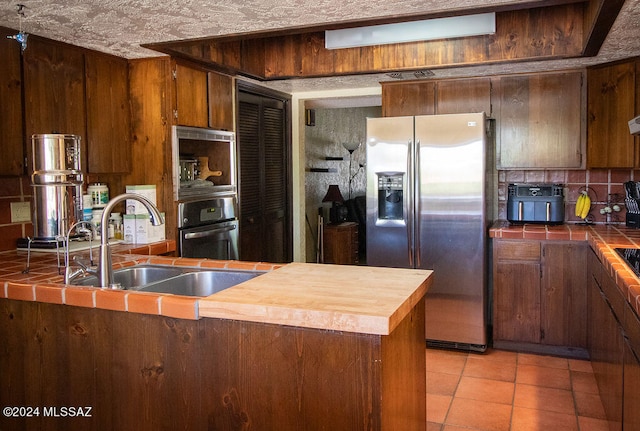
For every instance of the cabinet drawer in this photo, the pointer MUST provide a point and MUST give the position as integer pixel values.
(516, 250)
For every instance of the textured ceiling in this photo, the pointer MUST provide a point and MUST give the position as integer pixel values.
(120, 26)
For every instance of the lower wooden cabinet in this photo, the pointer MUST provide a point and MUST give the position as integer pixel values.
(606, 342)
(539, 299)
(341, 243)
(631, 373)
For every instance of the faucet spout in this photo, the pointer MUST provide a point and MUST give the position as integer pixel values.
(105, 269)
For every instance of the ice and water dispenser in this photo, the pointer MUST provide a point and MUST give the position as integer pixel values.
(390, 195)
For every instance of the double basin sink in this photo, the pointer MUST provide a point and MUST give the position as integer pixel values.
(175, 280)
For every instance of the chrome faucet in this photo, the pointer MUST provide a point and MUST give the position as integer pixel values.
(105, 270)
(69, 273)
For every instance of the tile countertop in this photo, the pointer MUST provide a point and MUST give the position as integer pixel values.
(603, 239)
(334, 297)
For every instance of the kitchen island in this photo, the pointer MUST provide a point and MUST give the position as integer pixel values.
(302, 347)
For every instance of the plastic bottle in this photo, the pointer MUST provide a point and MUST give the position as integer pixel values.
(115, 223)
(99, 194)
(97, 221)
(87, 206)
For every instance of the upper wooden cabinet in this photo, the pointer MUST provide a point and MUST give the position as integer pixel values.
(11, 133)
(458, 96)
(221, 108)
(408, 98)
(191, 106)
(611, 104)
(203, 99)
(54, 90)
(436, 97)
(108, 114)
(540, 121)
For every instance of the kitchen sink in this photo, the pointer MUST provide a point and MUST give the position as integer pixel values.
(200, 283)
(175, 280)
(134, 276)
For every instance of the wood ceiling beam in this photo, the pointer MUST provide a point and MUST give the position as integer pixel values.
(525, 34)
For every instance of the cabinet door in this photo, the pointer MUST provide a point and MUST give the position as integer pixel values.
(191, 97)
(221, 90)
(108, 119)
(606, 353)
(516, 309)
(540, 121)
(611, 104)
(631, 395)
(11, 137)
(563, 296)
(464, 95)
(54, 90)
(411, 98)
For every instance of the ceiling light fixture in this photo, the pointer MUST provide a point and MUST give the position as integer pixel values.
(430, 29)
(20, 37)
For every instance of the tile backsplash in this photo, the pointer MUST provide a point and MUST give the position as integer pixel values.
(603, 185)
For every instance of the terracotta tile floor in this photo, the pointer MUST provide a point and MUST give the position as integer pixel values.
(507, 391)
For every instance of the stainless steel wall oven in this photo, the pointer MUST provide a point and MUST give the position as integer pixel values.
(208, 228)
(205, 189)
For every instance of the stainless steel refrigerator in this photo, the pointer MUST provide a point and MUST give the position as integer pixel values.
(428, 203)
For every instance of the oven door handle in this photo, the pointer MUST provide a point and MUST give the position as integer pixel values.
(204, 234)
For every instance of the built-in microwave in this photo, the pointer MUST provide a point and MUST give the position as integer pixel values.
(204, 162)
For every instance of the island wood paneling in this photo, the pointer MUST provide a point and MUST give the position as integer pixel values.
(149, 372)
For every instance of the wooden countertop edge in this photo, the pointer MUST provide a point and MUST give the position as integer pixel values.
(363, 323)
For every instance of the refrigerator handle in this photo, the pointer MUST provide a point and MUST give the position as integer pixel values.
(416, 210)
(409, 203)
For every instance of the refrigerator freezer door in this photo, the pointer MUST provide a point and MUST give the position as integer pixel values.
(389, 192)
(450, 233)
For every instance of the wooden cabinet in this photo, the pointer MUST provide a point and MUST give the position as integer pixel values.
(202, 98)
(54, 87)
(221, 106)
(458, 96)
(108, 114)
(610, 105)
(340, 243)
(408, 98)
(631, 373)
(539, 296)
(540, 121)
(191, 106)
(436, 97)
(11, 133)
(606, 342)
(74, 91)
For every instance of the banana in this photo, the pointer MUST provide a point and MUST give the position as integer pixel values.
(586, 206)
(579, 205)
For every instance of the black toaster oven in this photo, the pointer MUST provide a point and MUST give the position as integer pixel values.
(535, 203)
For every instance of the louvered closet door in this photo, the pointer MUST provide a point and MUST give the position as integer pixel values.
(264, 180)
